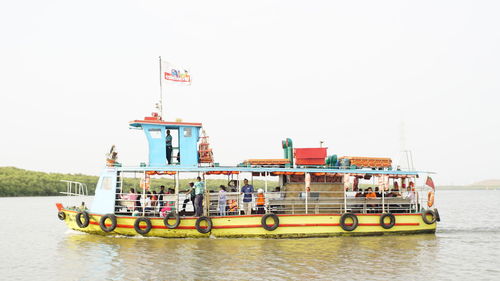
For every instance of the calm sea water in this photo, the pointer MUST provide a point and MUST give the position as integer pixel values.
(35, 245)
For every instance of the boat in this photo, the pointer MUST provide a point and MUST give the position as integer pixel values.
(307, 193)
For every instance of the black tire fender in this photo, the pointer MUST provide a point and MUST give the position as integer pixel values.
(140, 230)
(272, 227)
(390, 224)
(61, 215)
(86, 219)
(169, 216)
(203, 230)
(102, 222)
(429, 212)
(354, 221)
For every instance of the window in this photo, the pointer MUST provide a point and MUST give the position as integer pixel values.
(187, 132)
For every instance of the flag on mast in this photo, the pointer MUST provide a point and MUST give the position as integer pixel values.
(430, 183)
(175, 75)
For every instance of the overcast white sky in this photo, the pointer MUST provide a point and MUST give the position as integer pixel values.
(73, 73)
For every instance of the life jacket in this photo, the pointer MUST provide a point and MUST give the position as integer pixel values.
(260, 201)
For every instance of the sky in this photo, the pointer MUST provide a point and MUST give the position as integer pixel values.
(369, 78)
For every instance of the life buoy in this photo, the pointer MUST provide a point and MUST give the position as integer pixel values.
(138, 228)
(86, 219)
(203, 230)
(429, 212)
(102, 223)
(169, 216)
(430, 199)
(392, 220)
(268, 227)
(61, 215)
(354, 219)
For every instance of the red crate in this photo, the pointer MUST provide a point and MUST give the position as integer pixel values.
(310, 156)
(319, 152)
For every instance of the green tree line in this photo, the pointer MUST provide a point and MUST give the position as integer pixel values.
(20, 182)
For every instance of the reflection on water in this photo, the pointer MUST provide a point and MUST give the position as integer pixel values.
(156, 258)
(37, 246)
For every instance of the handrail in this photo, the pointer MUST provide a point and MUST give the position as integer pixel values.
(284, 202)
(80, 189)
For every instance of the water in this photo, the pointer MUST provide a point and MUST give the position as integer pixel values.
(35, 245)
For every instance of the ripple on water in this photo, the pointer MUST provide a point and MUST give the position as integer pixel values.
(466, 246)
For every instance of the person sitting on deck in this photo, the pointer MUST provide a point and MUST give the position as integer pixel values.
(247, 190)
(199, 189)
(130, 198)
(370, 194)
(395, 192)
(222, 200)
(359, 194)
(169, 205)
(260, 201)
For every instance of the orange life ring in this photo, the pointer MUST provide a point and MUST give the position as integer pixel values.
(430, 198)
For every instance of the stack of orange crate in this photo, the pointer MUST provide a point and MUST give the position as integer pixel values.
(369, 162)
(266, 161)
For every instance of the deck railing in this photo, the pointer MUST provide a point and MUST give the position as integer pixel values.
(291, 202)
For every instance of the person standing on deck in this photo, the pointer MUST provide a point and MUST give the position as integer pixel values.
(247, 190)
(190, 196)
(160, 195)
(199, 189)
(168, 142)
(222, 200)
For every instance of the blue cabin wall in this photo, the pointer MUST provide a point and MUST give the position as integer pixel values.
(188, 137)
(157, 148)
(188, 144)
(105, 193)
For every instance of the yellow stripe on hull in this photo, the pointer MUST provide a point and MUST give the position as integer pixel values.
(290, 226)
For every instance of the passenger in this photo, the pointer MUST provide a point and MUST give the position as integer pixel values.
(370, 194)
(168, 142)
(190, 195)
(233, 204)
(411, 196)
(146, 204)
(360, 193)
(82, 207)
(199, 189)
(160, 196)
(247, 190)
(377, 192)
(389, 193)
(395, 192)
(260, 201)
(154, 200)
(171, 203)
(131, 198)
(222, 200)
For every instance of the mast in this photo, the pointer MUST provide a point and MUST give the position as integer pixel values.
(160, 106)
